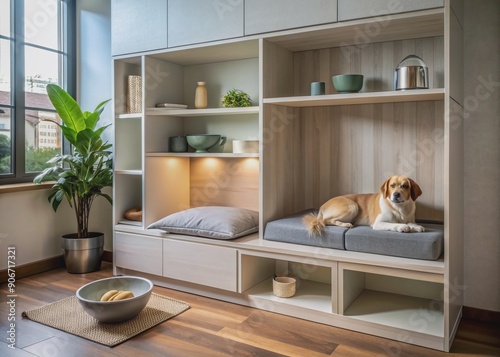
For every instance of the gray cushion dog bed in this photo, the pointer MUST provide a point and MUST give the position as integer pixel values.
(427, 245)
(292, 230)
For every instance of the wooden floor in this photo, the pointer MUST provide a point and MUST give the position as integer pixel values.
(211, 328)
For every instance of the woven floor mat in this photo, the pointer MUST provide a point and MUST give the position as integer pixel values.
(68, 315)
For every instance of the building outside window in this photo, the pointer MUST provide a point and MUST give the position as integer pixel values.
(37, 47)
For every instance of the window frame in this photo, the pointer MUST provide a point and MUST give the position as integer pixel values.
(17, 71)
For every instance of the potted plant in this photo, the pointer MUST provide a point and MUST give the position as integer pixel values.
(80, 177)
(235, 98)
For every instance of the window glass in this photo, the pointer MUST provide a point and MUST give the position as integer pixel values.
(5, 72)
(41, 23)
(41, 61)
(43, 139)
(5, 141)
(5, 18)
(41, 68)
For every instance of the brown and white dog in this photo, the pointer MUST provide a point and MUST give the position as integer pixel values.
(393, 209)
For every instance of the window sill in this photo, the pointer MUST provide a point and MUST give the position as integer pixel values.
(29, 186)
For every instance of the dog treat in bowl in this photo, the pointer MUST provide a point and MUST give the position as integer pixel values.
(115, 295)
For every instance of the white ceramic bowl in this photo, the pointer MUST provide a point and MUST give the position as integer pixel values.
(90, 295)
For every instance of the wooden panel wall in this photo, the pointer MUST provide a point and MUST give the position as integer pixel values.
(225, 182)
(348, 149)
(166, 187)
(376, 61)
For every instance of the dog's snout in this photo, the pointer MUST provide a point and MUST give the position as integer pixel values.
(396, 194)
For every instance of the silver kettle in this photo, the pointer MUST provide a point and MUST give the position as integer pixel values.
(411, 73)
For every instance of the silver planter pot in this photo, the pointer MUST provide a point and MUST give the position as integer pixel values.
(83, 255)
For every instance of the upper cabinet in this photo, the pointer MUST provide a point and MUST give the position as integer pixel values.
(138, 26)
(355, 9)
(194, 21)
(267, 16)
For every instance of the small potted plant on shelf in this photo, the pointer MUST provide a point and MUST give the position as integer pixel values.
(236, 98)
(80, 177)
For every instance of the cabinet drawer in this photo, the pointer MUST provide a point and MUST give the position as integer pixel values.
(138, 26)
(194, 21)
(200, 264)
(355, 9)
(266, 16)
(139, 253)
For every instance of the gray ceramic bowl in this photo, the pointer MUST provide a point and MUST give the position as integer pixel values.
(348, 83)
(90, 295)
(203, 142)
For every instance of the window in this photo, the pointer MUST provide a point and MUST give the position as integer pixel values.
(37, 47)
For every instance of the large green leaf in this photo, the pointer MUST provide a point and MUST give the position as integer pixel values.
(67, 108)
(92, 119)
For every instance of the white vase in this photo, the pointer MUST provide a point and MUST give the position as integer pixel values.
(200, 96)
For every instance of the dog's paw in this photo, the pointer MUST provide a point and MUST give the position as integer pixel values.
(416, 228)
(402, 228)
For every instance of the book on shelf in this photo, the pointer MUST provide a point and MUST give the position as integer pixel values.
(171, 105)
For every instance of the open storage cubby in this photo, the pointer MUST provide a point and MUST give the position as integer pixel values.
(172, 77)
(127, 161)
(233, 124)
(316, 283)
(352, 149)
(129, 139)
(222, 66)
(176, 183)
(397, 299)
(128, 195)
(123, 68)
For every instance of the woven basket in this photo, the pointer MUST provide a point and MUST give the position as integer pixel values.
(134, 95)
(284, 286)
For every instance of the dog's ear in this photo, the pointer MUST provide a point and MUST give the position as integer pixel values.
(415, 190)
(384, 189)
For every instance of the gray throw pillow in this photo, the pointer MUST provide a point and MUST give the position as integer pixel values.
(210, 222)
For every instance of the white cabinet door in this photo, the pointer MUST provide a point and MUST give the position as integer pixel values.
(138, 253)
(138, 26)
(355, 9)
(200, 264)
(195, 21)
(267, 16)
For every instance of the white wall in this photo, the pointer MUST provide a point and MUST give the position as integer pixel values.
(94, 84)
(28, 223)
(482, 154)
(94, 66)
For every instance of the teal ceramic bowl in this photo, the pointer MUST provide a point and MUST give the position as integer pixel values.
(90, 295)
(202, 142)
(348, 83)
